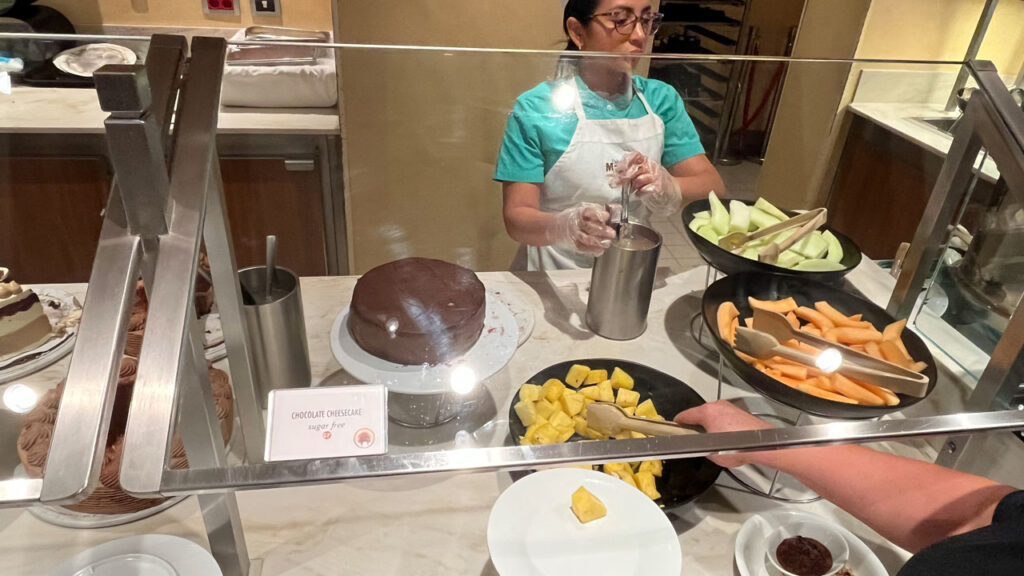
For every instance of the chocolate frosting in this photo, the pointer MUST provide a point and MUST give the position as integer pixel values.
(108, 498)
(137, 322)
(417, 310)
(129, 367)
(133, 344)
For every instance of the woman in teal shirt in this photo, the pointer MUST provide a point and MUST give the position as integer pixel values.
(570, 142)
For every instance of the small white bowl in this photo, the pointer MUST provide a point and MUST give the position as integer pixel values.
(820, 531)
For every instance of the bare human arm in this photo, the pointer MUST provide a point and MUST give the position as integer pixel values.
(912, 503)
(696, 177)
(585, 227)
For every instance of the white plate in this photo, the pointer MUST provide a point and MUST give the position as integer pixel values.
(145, 555)
(494, 348)
(750, 543)
(522, 312)
(532, 530)
(34, 360)
(86, 59)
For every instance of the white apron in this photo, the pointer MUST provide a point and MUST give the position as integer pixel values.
(582, 174)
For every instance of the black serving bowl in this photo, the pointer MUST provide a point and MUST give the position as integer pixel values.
(730, 263)
(682, 479)
(736, 288)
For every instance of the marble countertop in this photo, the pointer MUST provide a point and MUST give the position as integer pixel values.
(905, 120)
(436, 524)
(29, 109)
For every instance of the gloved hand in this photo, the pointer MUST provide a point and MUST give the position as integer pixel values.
(583, 228)
(651, 182)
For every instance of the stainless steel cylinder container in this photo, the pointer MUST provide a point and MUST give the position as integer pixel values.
(621, 284)
(276, 330)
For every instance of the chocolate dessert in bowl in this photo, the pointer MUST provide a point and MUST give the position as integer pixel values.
(805, 548)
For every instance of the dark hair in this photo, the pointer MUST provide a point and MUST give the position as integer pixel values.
(582, 10)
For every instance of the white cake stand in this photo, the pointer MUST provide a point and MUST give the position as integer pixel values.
(497, 343)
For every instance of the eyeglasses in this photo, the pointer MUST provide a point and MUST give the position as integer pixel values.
(625, 21)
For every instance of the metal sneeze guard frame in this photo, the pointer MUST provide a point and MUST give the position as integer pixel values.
(169, 353)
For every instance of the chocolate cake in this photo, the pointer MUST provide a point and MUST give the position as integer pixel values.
(417, 310)
(23, 325)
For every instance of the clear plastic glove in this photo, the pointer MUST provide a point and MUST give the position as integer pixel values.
(650, 181)
(583, 228)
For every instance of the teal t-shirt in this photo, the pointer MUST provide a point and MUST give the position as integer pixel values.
(542, 123)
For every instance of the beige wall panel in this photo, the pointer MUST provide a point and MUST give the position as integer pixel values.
(800, 147)
(422, 129)
(92, 14)
(942, 30)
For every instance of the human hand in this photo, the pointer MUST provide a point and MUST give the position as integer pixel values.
(724, 416)
(583, 228)
(650, 181)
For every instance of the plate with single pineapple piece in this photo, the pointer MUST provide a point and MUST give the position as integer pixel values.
(551, 408)
(573, 521)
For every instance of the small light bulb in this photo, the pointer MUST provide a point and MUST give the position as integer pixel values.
(463, 380)
(20, 399)
(829, 360)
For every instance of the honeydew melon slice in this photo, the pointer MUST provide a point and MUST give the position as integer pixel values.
(835, 248)
(739, 216)
(719, 215)
(770, 209)
(761, 219)
(818, 265)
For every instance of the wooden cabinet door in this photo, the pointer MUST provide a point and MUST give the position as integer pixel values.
(263, 197)
(50, 216)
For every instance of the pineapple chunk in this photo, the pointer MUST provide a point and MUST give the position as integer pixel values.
(591, 392)
(652, 466)
(547, 434)
(631, 410)
(552, 390)
(615, 467)
(645, 482)
(580, 424)
(627, 398)
(586, 506)
(561, 421)
(627, 477)
(594, 434)
(606, 394)
(633, 434)
(529, 392)
(530, 437)
(577, 374)
(624, 435)
(621, 380)
(572, 402)
(526, 411)
(524, 441)
(564, 435)
(545, 408)
(596, 377)
(646, 409)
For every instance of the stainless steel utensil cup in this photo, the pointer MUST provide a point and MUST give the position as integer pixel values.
(276, 331)
(621, 284)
